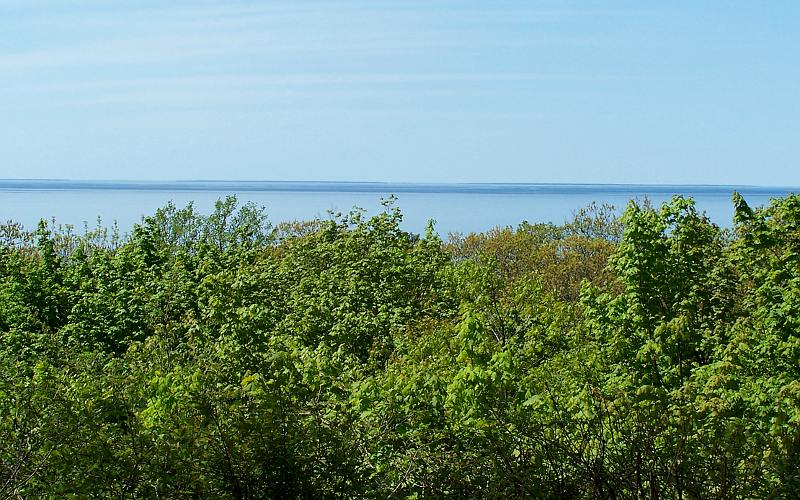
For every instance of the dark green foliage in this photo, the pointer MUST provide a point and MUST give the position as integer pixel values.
(651, 356)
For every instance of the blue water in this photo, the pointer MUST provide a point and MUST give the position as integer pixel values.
(455, 207)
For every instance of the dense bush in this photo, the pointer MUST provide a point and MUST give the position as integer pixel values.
(651, 356)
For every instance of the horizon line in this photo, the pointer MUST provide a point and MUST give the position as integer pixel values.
(6, 180)
(388, 188)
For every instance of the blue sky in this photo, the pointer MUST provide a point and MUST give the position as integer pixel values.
(428, 91)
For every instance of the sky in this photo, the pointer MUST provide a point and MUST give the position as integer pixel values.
(678, 92)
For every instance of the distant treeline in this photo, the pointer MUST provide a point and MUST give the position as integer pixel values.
(654, 355)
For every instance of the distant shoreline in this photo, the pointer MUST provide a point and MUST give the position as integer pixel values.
(388, 187)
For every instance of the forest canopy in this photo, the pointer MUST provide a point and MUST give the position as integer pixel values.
(651, 355)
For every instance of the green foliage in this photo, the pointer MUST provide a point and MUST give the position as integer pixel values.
(653, 355)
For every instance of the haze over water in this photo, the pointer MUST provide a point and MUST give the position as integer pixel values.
(454, 207)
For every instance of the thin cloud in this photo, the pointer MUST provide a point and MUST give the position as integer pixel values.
(319, 91)
(163, 35)
(168, 49)
(323, 80)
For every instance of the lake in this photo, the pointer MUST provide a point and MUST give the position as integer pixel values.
(454, 207)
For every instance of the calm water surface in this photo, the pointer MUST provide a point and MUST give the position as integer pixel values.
(454, 207)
